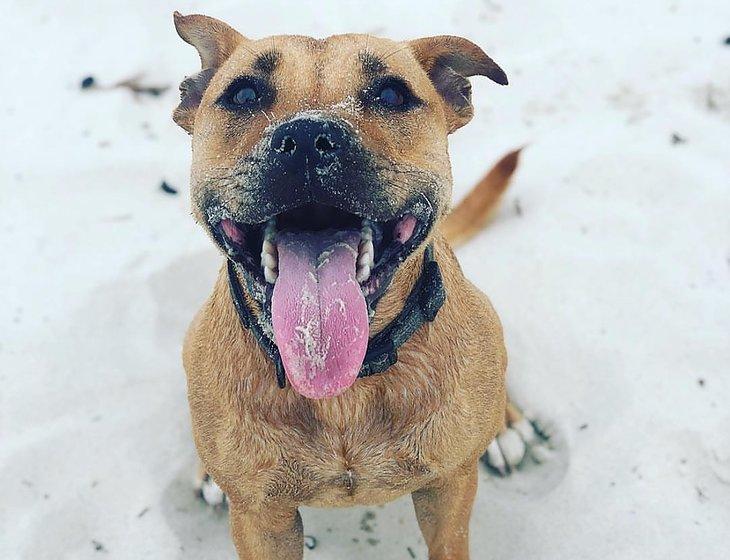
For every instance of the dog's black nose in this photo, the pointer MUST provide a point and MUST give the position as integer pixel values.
(308, 141)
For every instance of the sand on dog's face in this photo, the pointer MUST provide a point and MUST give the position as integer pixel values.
(323, 79)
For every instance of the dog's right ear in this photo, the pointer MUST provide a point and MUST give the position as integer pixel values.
(215, 41)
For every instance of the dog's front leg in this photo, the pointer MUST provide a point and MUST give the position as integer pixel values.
(443, 510)
(268, 534)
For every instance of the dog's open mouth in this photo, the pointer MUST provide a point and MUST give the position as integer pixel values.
(324, 269)
(381, 245)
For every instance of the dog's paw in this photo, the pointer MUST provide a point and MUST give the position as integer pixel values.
(208, 491)
(526, 437)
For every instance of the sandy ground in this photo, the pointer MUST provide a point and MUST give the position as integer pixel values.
(609, 263)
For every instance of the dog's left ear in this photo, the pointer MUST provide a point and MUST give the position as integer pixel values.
(215, 41)
(449, 61)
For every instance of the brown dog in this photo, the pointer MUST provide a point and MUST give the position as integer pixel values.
(320, 169)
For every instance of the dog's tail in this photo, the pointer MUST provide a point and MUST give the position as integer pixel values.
(473, 213)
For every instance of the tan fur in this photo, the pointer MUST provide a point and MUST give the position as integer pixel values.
(418, 428)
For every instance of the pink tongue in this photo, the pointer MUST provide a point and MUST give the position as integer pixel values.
(318, 311)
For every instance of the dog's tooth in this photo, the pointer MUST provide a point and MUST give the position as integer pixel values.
(270, 275)
(363, 273)
(370, 250)
(365, 259)
(366, 253)
(268, 247)
(269, 261)
(366, 246)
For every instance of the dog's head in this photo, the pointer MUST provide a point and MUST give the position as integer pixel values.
(319, 167)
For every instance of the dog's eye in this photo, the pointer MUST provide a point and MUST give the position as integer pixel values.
(245, 95)
(392, 96)
(391, 93)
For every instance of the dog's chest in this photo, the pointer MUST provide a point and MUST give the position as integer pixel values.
(349, 456)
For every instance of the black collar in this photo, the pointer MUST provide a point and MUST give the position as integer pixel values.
(422, 305)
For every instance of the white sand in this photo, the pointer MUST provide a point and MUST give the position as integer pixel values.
(612, 283)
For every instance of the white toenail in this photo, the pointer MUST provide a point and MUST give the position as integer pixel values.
(495, 458)
(512, 446)
(212, 493)
(525, 429)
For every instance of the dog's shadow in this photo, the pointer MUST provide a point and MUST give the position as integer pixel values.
(202, 531)
(388, 531)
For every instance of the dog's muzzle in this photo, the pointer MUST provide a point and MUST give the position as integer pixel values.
(318, 240)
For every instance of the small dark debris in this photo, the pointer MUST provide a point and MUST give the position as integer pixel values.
(135, 85)
(310, 542)
(373, 542)
(701, 382)
(410, 552)
(583, 427)
(166, 187)
(701, 496)
(727, 40)
(46, 496)
(518, 207)
(99, 547)
(27, 483)
(366, 522)
(677, 139)
(143, 512)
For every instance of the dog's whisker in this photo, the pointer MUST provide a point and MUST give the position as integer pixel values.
(396, 51)
(428, 202)
(266, 116)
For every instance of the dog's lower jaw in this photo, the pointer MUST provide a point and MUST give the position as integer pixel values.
(404, 279)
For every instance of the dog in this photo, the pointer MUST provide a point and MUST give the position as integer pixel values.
(342, 358)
